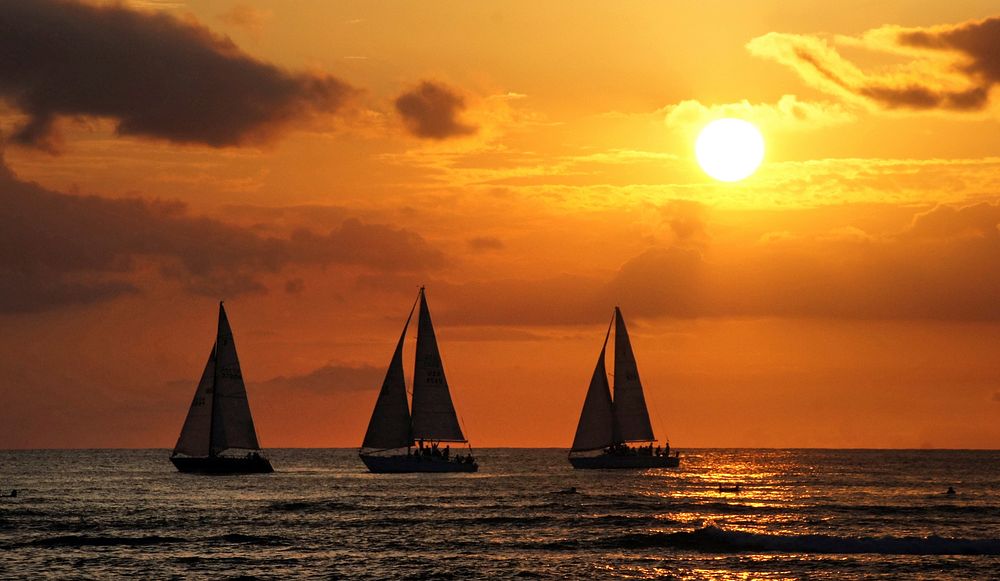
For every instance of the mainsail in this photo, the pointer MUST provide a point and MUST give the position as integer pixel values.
(232, 425)
(219, 417)
(434, 416)
(597, 421)
(389, 426)
(631, 414)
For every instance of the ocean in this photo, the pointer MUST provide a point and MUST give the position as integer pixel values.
(816, 514)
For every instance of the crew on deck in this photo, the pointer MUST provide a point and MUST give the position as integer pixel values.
(623, 449)
(433, 450)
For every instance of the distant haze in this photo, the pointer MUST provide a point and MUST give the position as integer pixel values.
(314, 163)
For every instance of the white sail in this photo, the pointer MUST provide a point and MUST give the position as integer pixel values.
(631, 414)
(232, 424)
(434, 415)
(196, 433)
(389, 426)
(597, 421)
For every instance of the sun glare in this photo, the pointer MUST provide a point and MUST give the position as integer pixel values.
(729, 150)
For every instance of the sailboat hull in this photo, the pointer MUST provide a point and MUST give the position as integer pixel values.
(408, 464)
(609, 462)
(223, 465)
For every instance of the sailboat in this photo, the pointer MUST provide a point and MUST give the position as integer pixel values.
(611, 425)
(218, 436)
(430, 423)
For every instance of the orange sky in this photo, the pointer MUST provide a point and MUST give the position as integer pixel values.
(532, 165)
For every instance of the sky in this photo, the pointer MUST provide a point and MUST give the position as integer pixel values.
(532, 164)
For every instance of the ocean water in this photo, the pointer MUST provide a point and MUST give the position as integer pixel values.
(817, 514)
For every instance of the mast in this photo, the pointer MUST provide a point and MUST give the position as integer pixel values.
(433, 412)
(215, 380)
(631, 413)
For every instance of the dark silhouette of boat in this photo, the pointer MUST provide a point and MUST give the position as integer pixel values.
(432, 420)
(609, 426)
(218, 436)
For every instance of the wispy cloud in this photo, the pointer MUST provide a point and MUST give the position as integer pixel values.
(788, 113)
(948, 67)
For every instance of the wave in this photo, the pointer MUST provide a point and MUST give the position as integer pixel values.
(100, 541)
(711, 539)
(110, 540)
(311, 507)
(249, 539)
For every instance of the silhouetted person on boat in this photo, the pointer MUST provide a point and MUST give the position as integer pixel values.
(447, 452)
(951, 491)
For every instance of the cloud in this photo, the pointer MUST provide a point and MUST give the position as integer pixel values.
(484, 243)
(944, 222)
(431, 111)
(950, 67)
(332, 378)
(294, 286)
(686, 221)
(153, 74)
(788, 113)
(58, 249)
(940, 266)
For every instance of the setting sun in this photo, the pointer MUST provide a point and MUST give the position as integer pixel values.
(729, 150)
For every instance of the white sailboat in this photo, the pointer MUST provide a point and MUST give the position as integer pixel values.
(218, 436)
(425, 431)
(609, 425)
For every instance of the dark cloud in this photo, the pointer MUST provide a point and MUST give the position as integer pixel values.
(917, 97)
(660, 280)
(481, 243)
(431, 111)
(330, 379)
(154, 74)
(979, 41)
(974, 46)
(378, 246)
(28, 292)
(59, 249)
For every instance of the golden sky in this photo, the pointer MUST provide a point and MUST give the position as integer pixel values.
(532, 164)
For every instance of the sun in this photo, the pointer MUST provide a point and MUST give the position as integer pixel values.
(729, 150)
